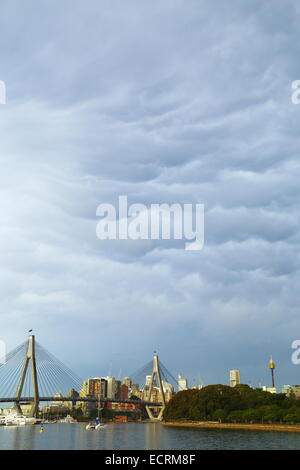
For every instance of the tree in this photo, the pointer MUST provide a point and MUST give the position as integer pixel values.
(236, 416)
(252, 416)
(239, 403)
(272, 416)
(291, 418)
(202, 404)
(219, 415)
(134, 397)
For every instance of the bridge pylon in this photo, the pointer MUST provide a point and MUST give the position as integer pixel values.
(29, 359)
(156, 378)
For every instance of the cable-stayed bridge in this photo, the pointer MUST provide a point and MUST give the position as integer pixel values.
(32, 374)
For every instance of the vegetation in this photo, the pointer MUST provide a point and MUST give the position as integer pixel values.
(239, 404)
(134, 397)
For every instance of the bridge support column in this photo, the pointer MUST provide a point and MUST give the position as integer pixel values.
(156, 378)
(29, 358)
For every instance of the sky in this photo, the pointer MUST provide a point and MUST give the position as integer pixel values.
(174, 101)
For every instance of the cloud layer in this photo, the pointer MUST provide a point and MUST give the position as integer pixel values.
(165, 102)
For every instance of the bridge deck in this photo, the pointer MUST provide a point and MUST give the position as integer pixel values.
(79, 399)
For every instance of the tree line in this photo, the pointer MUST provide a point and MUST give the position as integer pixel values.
(239, 404)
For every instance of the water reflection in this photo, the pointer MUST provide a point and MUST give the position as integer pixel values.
(149, 436)
(18, 438)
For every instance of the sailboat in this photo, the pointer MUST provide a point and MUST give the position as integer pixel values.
(96, 423)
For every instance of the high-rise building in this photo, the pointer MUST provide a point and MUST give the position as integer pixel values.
(148, 380)
(72, 394)
(234, 377)
(135, 388)
(127, 381)
(124, 392)
(182, 383)
(103, 388)
(118, 389)
(168, 388)
(93, 387)
(111, 387)
(83, 391)
(96, 387)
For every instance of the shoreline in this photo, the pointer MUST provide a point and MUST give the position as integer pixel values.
(247, 427)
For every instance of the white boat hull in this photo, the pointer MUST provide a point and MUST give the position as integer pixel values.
(16, 420)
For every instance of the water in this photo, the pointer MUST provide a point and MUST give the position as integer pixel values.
(148, 436)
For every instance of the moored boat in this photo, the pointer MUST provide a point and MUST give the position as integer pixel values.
(95, 424)
(15, 419)
(68, 419)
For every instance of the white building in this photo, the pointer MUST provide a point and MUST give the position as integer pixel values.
(182, 383)
(234, 377)
(269, 389)
(168, 388)
(148, 380)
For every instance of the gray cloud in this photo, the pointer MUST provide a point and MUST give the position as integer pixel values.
(166, 102)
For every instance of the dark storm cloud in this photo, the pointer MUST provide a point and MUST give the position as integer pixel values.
(165, 102)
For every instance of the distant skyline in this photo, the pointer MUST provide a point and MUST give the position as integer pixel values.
(164, 102)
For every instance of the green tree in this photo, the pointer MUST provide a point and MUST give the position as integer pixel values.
(219, 415)
(236, 416)
(291, 418)
(134, 397)
(252, 416)
(218, 402)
